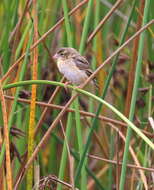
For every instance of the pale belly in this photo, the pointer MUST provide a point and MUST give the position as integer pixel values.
(72, 73)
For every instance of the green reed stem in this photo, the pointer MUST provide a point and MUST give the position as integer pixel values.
(86, 27)
(134, 96)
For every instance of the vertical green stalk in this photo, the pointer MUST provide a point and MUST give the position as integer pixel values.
(86, 27)
(111, 156)
(134, 95)
(64, 152)
(96, 22)
(81, 49)
(19, 141)
(69, 121)
(67, 24)
(80, 143)
(150, 101)
(5, 36)
(95, 46)
(20, 45)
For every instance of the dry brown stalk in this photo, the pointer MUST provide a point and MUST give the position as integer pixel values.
(6, 140)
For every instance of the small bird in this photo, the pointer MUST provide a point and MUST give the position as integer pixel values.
(73, 66)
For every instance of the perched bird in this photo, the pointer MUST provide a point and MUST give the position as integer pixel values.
(73, 66)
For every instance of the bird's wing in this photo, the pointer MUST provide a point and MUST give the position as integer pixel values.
(89, 73)
(81, 62)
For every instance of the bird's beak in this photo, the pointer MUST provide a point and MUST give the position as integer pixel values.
(55, 56)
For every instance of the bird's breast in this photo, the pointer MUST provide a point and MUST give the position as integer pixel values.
(63, 66)
(72, 72)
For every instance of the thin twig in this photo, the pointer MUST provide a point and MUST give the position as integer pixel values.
(108, 15)
(120, 163)
(84, 113)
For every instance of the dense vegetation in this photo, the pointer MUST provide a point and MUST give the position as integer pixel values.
(58, 137)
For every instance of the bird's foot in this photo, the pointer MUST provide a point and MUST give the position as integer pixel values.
(65, 85)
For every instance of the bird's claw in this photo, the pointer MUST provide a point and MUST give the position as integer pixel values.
(65, 85)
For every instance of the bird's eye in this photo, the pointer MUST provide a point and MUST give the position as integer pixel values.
(61, 53)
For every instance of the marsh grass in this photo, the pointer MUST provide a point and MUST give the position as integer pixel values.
(51, 138)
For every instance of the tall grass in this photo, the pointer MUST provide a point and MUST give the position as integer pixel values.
(76, 138)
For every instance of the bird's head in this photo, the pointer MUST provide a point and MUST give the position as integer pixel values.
(65, 53)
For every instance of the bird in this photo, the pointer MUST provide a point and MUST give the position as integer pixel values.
(74, 67)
